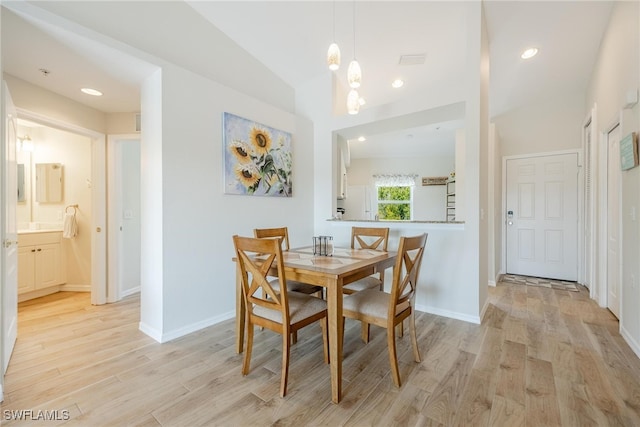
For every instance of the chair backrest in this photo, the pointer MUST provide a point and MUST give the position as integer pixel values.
(406, 271)
(274, 232)
(370, 238)
(255, 257)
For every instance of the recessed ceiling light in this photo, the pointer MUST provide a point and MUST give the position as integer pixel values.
(397, 83)
(362, 138)
(529, 53)
(90, 91)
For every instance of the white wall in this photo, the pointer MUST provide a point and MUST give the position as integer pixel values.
(198, 219)
(549, 125)
(616, 72)
(443, 286)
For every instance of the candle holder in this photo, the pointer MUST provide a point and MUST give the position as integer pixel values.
(323, 245)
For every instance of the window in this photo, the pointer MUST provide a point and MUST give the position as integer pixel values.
(395, 202)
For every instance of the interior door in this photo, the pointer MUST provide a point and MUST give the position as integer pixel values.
(542, 216)
(614, 222)
(9, 230)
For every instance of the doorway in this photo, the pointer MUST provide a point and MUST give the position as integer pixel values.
(542, 216)
(124, 234)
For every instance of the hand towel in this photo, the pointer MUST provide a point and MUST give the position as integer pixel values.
(70, 227)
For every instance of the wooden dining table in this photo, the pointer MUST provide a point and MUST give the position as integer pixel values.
(332, 272)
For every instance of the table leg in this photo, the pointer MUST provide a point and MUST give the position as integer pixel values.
(240, 311)
(334, 307)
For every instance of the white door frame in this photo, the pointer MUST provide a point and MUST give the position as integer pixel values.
(504, 191)
(603, 217)
(587, 272)
(98, 200)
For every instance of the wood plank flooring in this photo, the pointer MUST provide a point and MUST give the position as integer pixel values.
(542, 357)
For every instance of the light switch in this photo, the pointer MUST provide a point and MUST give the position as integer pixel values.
(128, 214)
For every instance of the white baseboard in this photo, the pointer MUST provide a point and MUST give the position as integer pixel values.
(451, 314)
(172, 335)
(484, 309)
(492, 283)
(69, 287)
(629, 339)
(1, 394)
(148, 330)
(130, 292)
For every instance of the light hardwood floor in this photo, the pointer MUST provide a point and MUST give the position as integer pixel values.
(542, 357)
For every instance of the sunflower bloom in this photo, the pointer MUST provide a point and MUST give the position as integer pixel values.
(261, 140)
(240, 150)
(247, 174)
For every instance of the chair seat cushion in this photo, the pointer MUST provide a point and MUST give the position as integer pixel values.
(371, 302)
(292, 285)
(301, 306)
(368, 282)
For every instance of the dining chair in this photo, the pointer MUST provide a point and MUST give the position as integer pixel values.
(280, 311)
(373, 306)
(374, 238)
(292, 285)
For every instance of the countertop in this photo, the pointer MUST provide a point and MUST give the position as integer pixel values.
(42, 230)
(396, 221)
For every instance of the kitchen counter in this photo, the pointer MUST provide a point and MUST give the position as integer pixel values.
(396, 221)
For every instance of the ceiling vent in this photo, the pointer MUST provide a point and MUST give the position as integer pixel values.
(138, 124)
(412, 59)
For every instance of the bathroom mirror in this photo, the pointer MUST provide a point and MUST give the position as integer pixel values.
(21, 188)
(48, 182)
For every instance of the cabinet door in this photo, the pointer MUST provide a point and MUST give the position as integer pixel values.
(48, 265)
(26, 267)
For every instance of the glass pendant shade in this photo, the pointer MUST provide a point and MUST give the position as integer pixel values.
(333, 57)
(354, 74)
(353, 102)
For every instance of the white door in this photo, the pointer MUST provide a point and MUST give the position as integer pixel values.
(614, 222)
(9, 230)
(542, 216)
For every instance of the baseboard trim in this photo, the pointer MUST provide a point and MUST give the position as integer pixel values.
(629, 339)
(75, 288)
(1, 393)
(129, 292)
(450, 314)
(185, 330)
(484, 309)
(152, 332)
(492, 283)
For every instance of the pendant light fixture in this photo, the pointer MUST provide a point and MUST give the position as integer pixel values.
(353, 102)
(333, 54)
(354, 74)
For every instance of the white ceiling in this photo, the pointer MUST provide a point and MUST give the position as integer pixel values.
(291, 38)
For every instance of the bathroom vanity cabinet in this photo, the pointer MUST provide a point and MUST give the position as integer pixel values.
(40, 261)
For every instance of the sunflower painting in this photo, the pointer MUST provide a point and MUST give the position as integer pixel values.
(257, 158)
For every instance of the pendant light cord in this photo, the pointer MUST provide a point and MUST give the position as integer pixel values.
(354, 29)
(334, 21)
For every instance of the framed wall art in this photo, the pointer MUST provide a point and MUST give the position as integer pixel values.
(629, 151)
(257, 158)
